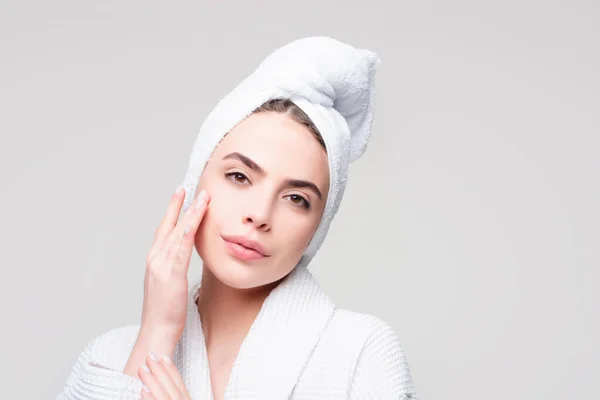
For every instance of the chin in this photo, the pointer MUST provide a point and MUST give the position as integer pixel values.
(236, 275)
(241, 275)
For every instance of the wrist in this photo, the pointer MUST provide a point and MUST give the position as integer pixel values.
(160, 341)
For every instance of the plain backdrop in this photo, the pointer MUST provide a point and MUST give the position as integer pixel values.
(470, 224)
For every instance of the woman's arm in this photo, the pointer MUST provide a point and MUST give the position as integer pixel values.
(382, 371)
(158, 342)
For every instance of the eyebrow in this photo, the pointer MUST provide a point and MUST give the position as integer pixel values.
(257, 168)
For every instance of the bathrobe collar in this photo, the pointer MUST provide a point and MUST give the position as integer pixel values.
(276, 349)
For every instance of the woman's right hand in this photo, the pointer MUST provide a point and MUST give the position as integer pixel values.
(165, 281)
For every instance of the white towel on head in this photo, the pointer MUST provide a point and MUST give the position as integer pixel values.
(332, 82)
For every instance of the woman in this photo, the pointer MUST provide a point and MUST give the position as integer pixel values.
(265, 178)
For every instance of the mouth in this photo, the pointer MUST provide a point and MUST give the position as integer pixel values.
(243, 248)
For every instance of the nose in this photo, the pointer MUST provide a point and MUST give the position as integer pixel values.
(258, 213)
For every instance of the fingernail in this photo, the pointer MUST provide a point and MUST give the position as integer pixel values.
(166, 359)
(145, 388)
(153, 356)
(200, 199)
(179, 189)
(145, 368)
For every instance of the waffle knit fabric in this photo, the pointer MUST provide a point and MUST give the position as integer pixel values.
(300, 346)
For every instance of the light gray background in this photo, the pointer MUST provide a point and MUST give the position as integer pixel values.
(470, 225)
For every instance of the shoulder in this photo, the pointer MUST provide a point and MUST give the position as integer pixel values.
(112, 348)
(381, 369)
(122, 335)
(354, 318)
(366, 328)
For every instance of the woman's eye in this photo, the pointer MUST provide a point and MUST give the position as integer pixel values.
(299, 200)
(237, 177)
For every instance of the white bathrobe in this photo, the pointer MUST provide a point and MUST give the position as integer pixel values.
(300, 346)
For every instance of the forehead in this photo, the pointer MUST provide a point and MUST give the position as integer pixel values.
(280, 145)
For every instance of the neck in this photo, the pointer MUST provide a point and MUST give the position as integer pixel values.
(227, 313)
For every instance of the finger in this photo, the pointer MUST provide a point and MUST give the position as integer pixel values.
(186, 246)
(148, 379)
(163, 377)
(174, 373)
(147, 395)
(166, 255)
(167, 252)
(177, 233)
(169, 220)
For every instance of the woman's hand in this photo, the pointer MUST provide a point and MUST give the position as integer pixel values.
(165, 282)
(162, 380)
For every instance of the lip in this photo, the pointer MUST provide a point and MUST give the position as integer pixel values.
(245, 248)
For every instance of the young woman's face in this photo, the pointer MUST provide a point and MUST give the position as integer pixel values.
(268, 181)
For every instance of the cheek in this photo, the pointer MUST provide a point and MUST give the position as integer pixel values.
(212, 214)
(224, 202)
(218, 214)
(223, 210)
(295, 232)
